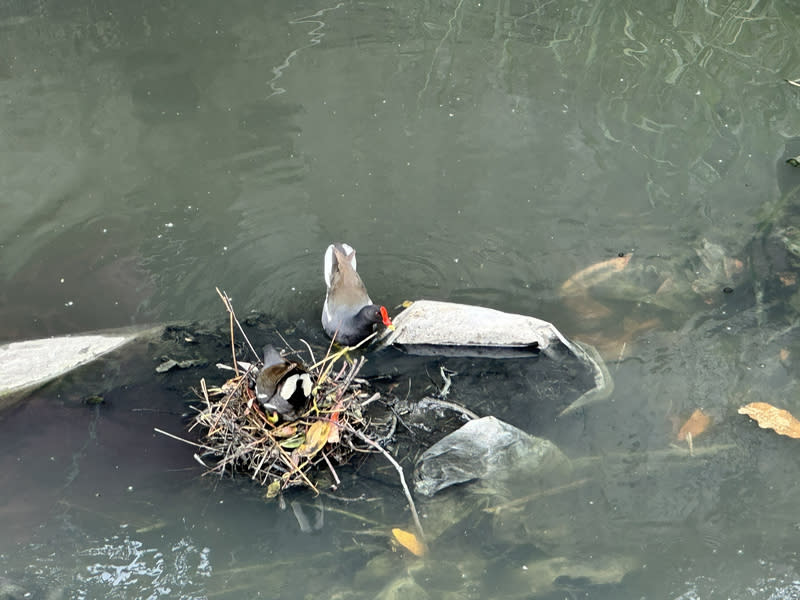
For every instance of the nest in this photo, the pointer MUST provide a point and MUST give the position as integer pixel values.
(242, 437)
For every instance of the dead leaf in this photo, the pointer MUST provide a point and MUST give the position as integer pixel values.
(409, 541)
(166, 365)
(594, 274)
(316, 438)
(333, 437)
(695, 425)
(273, 489)
(293, 442)
(285, 431)
(169, 364)
(769, 417)
(575, 290)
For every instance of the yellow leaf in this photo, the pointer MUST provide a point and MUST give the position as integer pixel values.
(273, 489)
(769, 417)
(409, 541)
(316, 438)
(695, 425)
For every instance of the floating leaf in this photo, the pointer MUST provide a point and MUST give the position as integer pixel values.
(409, 541)
(769, 417)
(316, 438)
(695, 425)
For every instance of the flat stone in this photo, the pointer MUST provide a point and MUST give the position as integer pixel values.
(26, 365)
(430, 327)
(433, 323)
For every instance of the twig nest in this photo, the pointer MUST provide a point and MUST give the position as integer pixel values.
(242, 434)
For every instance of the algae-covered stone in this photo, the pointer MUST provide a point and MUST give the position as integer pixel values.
(378, 569)
(562, 573)
(403, 588)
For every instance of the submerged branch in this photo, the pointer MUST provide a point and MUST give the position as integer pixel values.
(399, 470)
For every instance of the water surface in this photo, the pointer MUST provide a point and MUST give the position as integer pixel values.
(478, 152)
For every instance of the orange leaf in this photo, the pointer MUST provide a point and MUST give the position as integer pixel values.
(316, 438)
(409, 541)
(695, 425)
(769, 417)
(333, 438)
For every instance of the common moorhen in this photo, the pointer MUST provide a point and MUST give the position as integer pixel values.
(348, 315)
(282, 386)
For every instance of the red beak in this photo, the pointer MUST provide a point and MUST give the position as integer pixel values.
(385, 316)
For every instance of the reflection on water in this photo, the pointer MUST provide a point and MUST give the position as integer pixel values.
(136, 571)
(478, 152)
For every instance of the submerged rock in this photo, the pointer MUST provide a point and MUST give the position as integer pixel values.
(562, 574)
(403, 588)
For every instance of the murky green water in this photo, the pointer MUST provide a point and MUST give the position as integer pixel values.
(473, 152)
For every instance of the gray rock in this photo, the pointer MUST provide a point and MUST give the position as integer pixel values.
(432, 323)
(26, 365)
(430, 327)
(542, 577)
